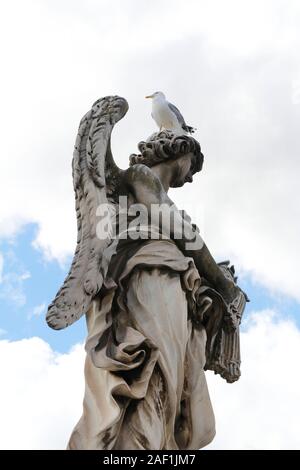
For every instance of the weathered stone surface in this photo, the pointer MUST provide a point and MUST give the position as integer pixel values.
(159, 309)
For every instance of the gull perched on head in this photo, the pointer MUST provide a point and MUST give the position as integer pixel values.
(167, 116)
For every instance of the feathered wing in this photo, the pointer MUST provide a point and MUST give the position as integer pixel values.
(95, 178)
(180, 118)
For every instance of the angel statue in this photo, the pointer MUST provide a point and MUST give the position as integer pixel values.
(159, 309)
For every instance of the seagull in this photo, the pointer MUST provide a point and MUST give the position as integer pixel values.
(167, 116)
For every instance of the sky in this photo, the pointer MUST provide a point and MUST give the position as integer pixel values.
(233, 69)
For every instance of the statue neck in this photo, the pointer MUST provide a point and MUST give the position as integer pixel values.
(164, 173)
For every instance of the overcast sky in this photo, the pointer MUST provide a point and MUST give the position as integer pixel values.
(233, 69)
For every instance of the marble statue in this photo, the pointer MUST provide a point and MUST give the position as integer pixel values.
(159, 310)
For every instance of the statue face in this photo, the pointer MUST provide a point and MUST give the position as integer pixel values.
(183, 170)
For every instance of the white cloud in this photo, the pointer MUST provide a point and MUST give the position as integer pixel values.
(261, 410)
(12, 287)
(236, 87)
(37, 311)
(41, 396)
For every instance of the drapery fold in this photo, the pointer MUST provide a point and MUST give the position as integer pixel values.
(144, 371)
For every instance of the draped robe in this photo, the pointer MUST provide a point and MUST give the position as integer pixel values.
(145, 385)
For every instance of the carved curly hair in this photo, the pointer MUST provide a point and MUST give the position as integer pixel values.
(166, 145)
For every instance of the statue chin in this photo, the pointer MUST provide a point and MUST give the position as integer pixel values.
(177, 184)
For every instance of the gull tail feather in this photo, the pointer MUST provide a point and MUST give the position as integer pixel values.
(189, 129)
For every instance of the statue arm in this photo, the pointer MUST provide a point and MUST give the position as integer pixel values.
(148, 190)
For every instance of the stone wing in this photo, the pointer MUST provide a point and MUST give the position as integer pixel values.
(95, 179)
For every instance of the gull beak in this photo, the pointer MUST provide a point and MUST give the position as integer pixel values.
(150, 96)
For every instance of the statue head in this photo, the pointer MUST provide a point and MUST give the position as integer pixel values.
(166, 147)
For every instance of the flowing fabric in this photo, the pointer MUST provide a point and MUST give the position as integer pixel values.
(145, 385)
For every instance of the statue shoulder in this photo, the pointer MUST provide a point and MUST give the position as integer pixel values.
(144, 184)
(141, 174)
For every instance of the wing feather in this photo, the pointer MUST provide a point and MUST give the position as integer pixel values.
(177, 114)
(92, 155)
(180, 118)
